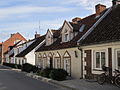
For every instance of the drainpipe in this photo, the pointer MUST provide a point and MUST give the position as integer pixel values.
(81, 62)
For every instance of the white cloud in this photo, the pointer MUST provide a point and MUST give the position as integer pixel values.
(28, 28)
(16, 10)
(4, 36)
(87, 4)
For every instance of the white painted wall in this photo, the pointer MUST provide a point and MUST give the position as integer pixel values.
(31, 57)
(115, 46)
(75, 61)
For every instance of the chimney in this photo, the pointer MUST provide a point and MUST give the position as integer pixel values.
(76, 19)
(37, 35)
(115, 2)
(12, 35)
(99, 8)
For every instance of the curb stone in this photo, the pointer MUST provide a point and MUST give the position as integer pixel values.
(50, 81)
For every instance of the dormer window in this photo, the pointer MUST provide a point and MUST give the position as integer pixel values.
(48, 36)
(82, 28)
(65, 31)
(66, 37)
(48, 41)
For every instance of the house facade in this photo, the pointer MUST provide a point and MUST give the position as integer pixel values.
(0, 52)
(102, 45)
(61, 48)
(27, 55)
(16, 37)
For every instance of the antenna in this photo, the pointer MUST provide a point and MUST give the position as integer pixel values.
(39, 27)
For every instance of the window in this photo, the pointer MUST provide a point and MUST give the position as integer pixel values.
(49, 40)
(67, 62)
(99, 59)
(82, 28)
(66, 37)
(65, 31)
(118, 59)
(57, 62)
(40, 62)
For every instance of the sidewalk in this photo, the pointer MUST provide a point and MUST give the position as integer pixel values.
(82, 84)
(78, 84)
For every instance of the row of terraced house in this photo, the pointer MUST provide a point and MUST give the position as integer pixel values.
(80, 46)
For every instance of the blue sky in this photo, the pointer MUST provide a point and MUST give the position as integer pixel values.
(24, 15)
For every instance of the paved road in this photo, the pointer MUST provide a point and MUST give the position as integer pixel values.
(12, 80)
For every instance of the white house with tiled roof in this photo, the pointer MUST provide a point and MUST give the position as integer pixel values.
(101, 44)
(63, 52)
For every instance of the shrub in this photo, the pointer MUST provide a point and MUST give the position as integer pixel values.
(18, 66)
(45, 72)
(58, 74)
(27, 67)
(12, 65)
(35, 69)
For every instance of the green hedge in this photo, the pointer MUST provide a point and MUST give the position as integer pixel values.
(17, 66)
(27, 67)
(58, 74)
(30, 68)
(55, 74)
(45, 72)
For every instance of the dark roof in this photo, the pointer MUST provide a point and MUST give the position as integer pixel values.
(108, 30)
(11, 55)
(31, 47)
(11, 47)
(87, 21)
(56, 33)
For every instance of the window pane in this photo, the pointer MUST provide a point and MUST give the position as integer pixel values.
(118, 59)
(97, 60)
(66, 37)
(67, 65)
(58, 62)
(102, 58)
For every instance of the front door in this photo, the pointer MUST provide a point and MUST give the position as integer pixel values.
(51, 63)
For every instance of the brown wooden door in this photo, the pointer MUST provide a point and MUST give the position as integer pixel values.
(88, 63)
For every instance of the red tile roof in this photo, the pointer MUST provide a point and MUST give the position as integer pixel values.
(10, 41)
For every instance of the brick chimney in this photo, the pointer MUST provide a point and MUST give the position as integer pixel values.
(76, 19)
(99, 8)
(37, 35)
(12, 34)
(115, 2)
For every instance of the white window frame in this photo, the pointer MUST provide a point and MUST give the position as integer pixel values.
(66, 37)
(116, 60)
(67, 65)
(100, 59)
(57, 61)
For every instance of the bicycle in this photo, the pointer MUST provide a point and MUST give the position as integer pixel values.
(104, 76)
